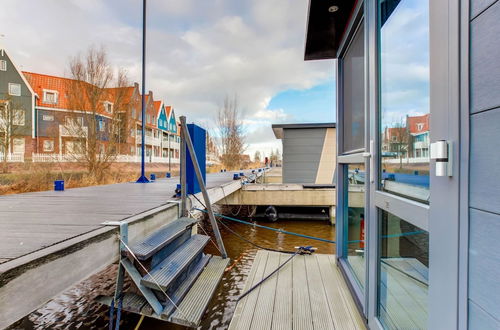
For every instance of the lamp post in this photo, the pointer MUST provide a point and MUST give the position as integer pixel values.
(142, 178)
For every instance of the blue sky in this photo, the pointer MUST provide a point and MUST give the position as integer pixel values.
(316, 104)
(198, 52)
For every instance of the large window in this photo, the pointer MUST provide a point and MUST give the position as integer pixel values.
(404, 101)
(353, 94)
(404, 265)
(355, 220)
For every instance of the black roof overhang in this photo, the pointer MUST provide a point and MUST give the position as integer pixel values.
(326, 23)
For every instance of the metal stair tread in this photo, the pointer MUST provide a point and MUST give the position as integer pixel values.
(148, 246)
(169, 269)
(192, 307)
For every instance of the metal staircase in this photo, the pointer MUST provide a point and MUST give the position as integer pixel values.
(175, 278)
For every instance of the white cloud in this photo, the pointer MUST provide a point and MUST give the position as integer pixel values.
(198, 51)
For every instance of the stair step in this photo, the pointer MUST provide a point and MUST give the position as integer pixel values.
(147, 247)
(194, 304)
(164, 274)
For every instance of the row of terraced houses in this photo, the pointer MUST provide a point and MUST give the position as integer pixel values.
(43, 114)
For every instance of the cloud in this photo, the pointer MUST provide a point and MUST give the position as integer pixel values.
(198, 51)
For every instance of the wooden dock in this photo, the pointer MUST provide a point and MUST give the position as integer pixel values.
(309, 292)
(51, 240)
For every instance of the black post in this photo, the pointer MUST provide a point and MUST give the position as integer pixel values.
(142, 178)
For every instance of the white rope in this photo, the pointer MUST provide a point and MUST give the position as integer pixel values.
(156, 282)
(211, 240)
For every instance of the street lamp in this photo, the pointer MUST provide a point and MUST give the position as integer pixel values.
(142, 178)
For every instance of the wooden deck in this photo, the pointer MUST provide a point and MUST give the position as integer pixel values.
(32, 221)
(309, 292)
(403, 291)
(62, 235)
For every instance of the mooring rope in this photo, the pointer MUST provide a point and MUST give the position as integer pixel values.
(300, 250)
(270, 228)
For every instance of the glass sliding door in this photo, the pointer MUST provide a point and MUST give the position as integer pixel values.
(351, 146)
(355, 221)
(402, 194)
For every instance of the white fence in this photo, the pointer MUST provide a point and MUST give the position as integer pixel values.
(13, 158)
(50, 158)
(411, 160)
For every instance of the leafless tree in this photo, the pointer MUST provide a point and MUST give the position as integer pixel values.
(256, 157)
(97, 99)
(400, 140)
(12, 118)
(231, 133)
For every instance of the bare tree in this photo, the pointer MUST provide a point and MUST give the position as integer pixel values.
(231, 133)
(400, 139)
(12, 118)
(95, 124)
(256, 157)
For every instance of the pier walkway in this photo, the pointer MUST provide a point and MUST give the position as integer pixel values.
(61, 235)
(309, 292)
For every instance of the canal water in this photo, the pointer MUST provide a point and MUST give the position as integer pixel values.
(76, 308)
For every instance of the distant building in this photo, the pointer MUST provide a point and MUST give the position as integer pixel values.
(308, 152)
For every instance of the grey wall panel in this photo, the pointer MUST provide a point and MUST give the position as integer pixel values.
(480, 319)
(24, 101)
(484, 60)
(484, 261)
(477, 6)
(301, 154)
(485, 161)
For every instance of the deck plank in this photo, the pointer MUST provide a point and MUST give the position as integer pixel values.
(307, 293)
(263, 314)
(321, 316)
(282, 312)
(302, 314)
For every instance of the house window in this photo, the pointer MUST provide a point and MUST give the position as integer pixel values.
(132, 132)
(102, 125)
(74, 121)
(19, 117)
(133, 113)
(18, 145)
(14, 89)
(48, 145)
(50, 97)
(3, 65)
(420, 126)
(108, 107)
(48, 117)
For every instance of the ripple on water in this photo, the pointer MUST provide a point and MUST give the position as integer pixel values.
(76, 308)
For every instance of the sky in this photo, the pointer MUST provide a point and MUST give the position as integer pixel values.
(198, 52)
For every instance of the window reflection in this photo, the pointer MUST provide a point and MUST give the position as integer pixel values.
(404, 267)
(404, 103)
(355, 225)
(353, 94)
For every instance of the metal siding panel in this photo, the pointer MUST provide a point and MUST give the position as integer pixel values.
(477, 6)
(480, 320)
(23, 101)
(485, 67)
(484, 161)
(301, 154)
(484, 260)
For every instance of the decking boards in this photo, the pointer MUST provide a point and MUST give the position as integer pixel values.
(404, 297)
(32, 221)
(309, 292)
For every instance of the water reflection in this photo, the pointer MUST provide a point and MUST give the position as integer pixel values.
(76, 308)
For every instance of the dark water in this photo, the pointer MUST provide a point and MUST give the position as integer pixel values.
(76, 308)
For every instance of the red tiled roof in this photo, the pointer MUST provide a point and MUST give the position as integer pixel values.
(168, 109)
(418, 124)
(40, 82)
(157, 105)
